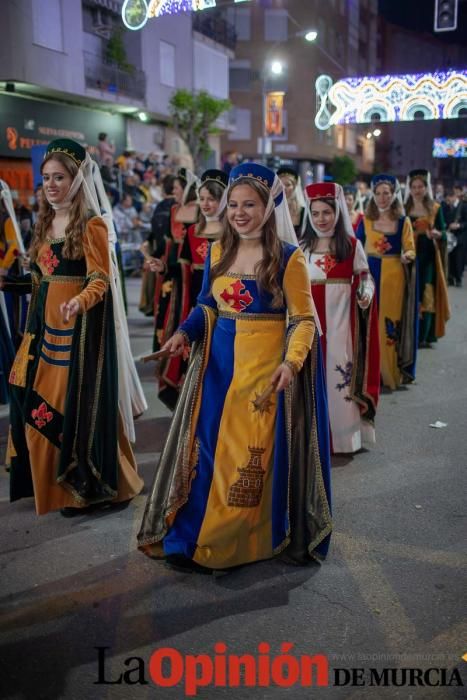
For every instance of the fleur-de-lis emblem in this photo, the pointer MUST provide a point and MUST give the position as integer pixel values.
(382, 246)
(326, 263)
(239, 298)
(49, 261)
(41, 415)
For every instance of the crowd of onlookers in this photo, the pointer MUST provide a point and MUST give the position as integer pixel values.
(137, 183)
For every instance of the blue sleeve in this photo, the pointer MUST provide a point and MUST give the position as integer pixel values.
(193, 326)
(360, 233)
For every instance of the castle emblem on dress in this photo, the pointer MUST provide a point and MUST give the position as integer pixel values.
(246, 492)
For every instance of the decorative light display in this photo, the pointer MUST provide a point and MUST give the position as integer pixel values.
(449, 148)
(391, 98)
(135, 13)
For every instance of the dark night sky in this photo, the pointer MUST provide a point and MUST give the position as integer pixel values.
(418, 15)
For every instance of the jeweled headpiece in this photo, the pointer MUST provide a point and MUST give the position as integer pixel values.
(69, 148)
(214, 175)
(258, 172)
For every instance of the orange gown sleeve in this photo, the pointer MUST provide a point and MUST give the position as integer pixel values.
(96, 253)
(300, 310)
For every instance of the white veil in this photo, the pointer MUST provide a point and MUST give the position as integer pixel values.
(397, 194)
(341, 210)
(7, 199)
(277, 202)
(191, 179)
(131, 400)
(429, 186)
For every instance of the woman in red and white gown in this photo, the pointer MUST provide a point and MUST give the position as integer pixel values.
(343, 292)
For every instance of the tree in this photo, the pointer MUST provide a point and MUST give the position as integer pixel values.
(343, 170)
(115, 51)
(193, 117)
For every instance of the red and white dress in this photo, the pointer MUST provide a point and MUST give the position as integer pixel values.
(350, 345)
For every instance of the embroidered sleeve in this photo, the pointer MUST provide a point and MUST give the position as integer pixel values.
(440, 223)
(194, 324)
(297, 293)
(360, 232)
(96, 252)
(360, 267)
(408, 242)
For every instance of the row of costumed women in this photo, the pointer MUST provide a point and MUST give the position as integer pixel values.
(245, 471)
(377, 280)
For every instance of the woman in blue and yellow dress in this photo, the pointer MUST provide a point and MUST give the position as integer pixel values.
(69, 445)
(429, 229)
(388, 242)
(244, 474)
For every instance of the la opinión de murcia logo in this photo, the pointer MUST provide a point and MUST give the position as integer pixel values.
(167, 667)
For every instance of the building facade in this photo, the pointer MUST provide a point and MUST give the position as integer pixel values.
(71, 68)
(274, 32)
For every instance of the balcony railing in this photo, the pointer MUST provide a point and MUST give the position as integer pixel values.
(110, 78)
(214, 26)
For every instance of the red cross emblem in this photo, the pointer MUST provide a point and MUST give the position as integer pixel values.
(239, 298)
(382, 246)
(202, 250)
(326, 263)
(49, 261)
(41, 415)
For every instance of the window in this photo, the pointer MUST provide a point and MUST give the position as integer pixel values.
(240, 76)
(242, 118)
(167, 64)
(241, 19)
(275, 25)
(211, 70)
(47, 24)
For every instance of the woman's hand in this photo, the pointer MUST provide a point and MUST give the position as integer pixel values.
(68, 309)
(155, 265)
(434, 234)
(282, 377)
(175, 345)
(364, 301)
(406, 258)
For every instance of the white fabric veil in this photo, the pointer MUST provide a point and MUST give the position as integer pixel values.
(341, 211)
(397, 194)
(7, 199)
(131, 400)
(191, 179)
(277, 203)
(429, 186)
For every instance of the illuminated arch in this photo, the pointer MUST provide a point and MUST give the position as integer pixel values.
(418, 104)
(453, 108)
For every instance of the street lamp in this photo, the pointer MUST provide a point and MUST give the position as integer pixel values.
(276, 68)
(311, 35)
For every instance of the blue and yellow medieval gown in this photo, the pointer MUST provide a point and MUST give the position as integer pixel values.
(236, 484)
(396, 297)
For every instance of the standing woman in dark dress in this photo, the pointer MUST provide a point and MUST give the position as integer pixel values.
(429, 230)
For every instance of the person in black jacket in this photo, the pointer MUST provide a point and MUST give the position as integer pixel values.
(457, 224)
(155, 245)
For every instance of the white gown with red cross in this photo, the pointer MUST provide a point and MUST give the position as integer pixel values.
(334, 285)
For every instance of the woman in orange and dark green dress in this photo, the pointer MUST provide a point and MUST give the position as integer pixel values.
(67, 446)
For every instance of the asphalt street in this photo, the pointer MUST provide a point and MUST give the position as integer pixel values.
(391, 593)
